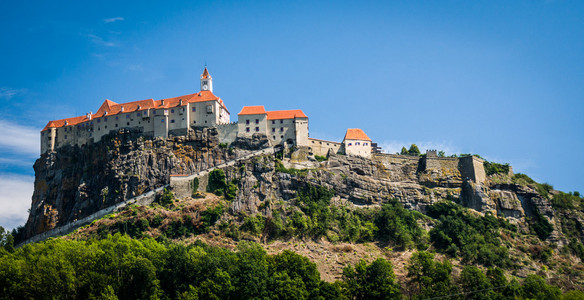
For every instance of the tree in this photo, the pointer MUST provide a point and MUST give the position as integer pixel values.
(404, 151)
(430, 278)
(414, 151)
(374, 281)
(475, 283)
(217, 182)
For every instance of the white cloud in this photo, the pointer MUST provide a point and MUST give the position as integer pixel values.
(395, 146)
(99, 40)
(111, 20)
(7, 92)
(19, 139)
(15, 199)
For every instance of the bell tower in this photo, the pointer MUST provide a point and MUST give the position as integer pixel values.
(206, 81)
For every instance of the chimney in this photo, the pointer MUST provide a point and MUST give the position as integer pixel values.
(138, 107)
(105, 113)
(122, 108)
(162, 102)
(180, 102)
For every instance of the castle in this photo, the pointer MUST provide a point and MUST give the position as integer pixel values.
(175, 116)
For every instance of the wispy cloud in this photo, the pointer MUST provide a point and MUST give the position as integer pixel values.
(99, 40)
(395, 146)
(15, 199)
(7, 92)
(111, 20)
(19, 139)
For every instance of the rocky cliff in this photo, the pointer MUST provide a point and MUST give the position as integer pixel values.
(77, 181)
(74, 182)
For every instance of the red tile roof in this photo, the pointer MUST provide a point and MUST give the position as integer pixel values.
(356, 134)
(205, 74)
(113, 108)
(252, 110)
(286, 114)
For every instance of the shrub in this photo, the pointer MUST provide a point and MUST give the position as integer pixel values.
(195, 185)
(216, 181)
(166, 198)
(320, 158)
(492, 168)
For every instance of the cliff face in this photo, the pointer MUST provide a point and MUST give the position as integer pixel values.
(74, 182)
(77, 181)
(373, 181)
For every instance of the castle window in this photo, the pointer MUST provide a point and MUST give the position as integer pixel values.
(273, 129)
(246, 129)
(172, 111)
(357, 144)
(162, 120)
(246, 122)
(257, 129)
(98, 120)
(273, 122)
(153, 111)
(105, 119)
(127, 116)
(281, 121)
(257, 121)
(281, 129)
(171, 121)
(128, 124)
(274, 137)
(116, 125)
(350, 144)
(65, 136)
(116, 118)
(281, 136)
(138, 114)
(194, 109)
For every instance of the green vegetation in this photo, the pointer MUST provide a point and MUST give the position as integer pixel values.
(542, 188)
(166, 199)
(540, 225)
(316, 217)
(570, 200)
(475, 239)
(195, 185)
(280, 168)
(374, 281)
(219, 186)
(492, 168)
(320, 158)
(414, 151)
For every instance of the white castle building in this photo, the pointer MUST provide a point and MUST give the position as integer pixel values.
(175, 116)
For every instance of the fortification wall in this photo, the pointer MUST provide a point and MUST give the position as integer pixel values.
(144, 199)
(441, 163)
(322, 147)
(473, 168)
(227, 133)
(182, 186)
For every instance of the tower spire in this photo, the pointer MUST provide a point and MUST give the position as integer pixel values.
(206, 80)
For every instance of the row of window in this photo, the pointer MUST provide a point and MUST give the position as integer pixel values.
(257, 129)
(358, 144)
(257, 121)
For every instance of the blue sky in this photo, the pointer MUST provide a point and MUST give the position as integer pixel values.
(504, 79)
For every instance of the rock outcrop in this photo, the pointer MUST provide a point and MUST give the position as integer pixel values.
(74, 182)
(77, 181)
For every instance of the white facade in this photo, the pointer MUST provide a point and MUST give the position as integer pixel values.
(172, 116)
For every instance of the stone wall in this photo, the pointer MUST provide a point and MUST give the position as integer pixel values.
(472, 167)
(322, 147)
(144, 199)
(441, 162)
(227, 132)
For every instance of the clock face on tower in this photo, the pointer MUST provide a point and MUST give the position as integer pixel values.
(204, 86)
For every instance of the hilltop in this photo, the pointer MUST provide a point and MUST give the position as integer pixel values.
(461, 211)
